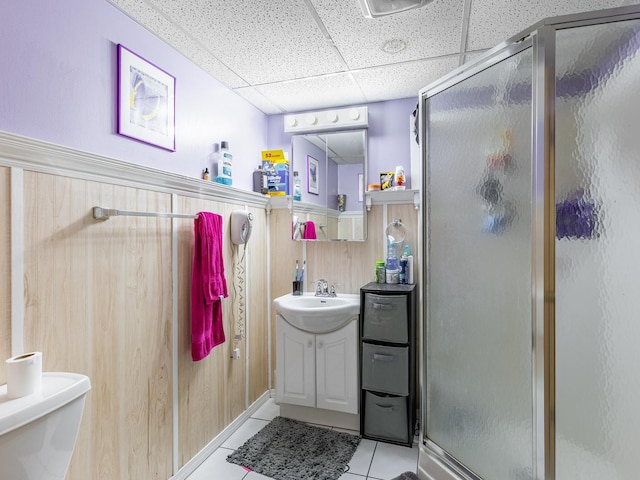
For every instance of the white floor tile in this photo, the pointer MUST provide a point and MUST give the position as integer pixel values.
(371, 461)
(244, 433)
(255, 476)
(361, 460)
(268, 411)
(350, 476)
(390, 461)
(216, 466)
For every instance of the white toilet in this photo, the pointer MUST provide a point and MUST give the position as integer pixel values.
(38, 432)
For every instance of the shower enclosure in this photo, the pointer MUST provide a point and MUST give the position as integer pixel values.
(531, 352)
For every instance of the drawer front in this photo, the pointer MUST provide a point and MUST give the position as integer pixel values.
(386, 417)
(385, 318)
(385, 369)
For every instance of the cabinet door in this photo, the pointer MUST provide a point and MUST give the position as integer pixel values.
(295, 365)
(337, 369)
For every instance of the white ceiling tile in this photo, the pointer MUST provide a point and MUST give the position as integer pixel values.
(251, 45)
(261, 40)
(433, 30)
(320, 92)
(402, 81)
(493, 21)
(176, 37)
(254, 97)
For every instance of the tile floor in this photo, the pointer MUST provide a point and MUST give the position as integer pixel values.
(372, 460)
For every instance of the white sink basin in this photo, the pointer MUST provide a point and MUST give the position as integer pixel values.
(318, 314)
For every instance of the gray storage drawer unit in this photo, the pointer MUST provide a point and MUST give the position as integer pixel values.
(388, 362)
(387, 416)
(385, 318)
(384, 368)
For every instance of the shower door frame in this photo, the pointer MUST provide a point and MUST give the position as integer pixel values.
(434, 462)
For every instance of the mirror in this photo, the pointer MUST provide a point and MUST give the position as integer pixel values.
(331, 171)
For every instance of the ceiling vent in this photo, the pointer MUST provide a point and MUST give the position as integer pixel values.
(380, 8)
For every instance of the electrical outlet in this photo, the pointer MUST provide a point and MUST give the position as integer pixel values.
(236, 354)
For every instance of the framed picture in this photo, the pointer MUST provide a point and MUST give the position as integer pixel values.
(360, 187)
(146, 101)
(312, 175)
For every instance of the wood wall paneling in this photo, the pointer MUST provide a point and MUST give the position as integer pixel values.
(212, 391)
(98, 302)
(258, 303)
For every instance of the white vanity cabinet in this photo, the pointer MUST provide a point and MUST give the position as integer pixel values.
(317, 369)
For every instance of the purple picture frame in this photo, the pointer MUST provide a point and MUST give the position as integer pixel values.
(146, 101)
(313, 174)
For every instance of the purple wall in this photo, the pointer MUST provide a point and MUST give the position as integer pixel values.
(58, 84)
(388, 137)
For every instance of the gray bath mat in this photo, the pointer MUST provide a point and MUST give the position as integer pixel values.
(286, 449)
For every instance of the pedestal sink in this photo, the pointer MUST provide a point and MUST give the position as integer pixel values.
(318, 314)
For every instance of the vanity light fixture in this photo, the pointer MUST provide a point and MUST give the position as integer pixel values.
(380, 8)
(334, 119)
(332, 116)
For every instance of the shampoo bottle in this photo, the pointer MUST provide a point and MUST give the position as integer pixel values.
(225, 160)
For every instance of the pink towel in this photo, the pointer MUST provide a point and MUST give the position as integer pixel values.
(208, 284)
(310, 231)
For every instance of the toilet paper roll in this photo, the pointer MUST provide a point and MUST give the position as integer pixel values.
(24, 374)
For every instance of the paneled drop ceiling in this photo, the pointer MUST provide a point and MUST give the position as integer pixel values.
(295, 55)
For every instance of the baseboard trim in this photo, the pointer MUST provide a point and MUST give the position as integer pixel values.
(191, 466)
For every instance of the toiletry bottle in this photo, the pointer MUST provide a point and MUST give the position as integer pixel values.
(407, 253)
(400, 178)
(297, 195)
(225, 159)
(392, 267)
(380, 272)
(260, 181)
(402, 277)
(205, 174)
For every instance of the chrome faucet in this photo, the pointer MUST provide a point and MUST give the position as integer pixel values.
(322, 289)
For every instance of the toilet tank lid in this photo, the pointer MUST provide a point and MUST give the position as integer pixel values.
(58, 388)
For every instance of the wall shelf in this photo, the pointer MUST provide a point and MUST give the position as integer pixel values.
(382, 197)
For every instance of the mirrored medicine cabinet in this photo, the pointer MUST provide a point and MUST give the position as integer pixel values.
(329, 202)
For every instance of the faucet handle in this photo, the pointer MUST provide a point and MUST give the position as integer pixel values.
(332, 291)
(319, 286)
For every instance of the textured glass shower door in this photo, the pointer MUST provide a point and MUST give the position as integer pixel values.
(478, 356)
(598, 251)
